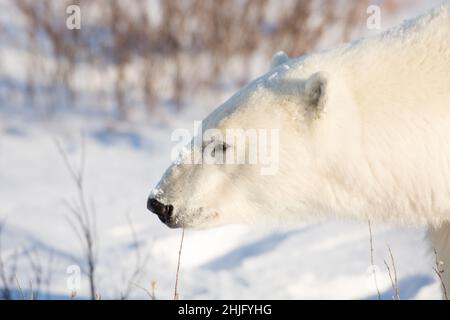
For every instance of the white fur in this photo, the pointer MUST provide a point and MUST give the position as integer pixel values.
(379, 148)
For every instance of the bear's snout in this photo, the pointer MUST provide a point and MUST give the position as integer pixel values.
(164, 212)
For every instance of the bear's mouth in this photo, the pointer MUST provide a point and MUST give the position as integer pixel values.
(165, 212)
(170, 223)
(197, 218)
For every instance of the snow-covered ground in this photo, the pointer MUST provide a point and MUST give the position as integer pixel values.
(329, 260)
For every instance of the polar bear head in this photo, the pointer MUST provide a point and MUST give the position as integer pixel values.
(262, 155)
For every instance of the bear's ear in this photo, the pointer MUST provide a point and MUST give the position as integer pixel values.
(315, 94)
(278, 59)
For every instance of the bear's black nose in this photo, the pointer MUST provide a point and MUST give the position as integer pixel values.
(164, 212)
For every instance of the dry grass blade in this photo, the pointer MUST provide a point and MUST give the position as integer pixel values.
(393, 276)
(439, 270)
(31, 290)
(19, 287)
(37, 268)
(72, 295)
(176, 295)
(150, 294)
(372, 264)
(5, 290)
(153, 290)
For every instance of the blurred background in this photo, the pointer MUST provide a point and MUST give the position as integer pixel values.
(139, 56)
(85, 123)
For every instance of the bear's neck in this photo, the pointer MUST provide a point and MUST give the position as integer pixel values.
(411, 58)
(400, 82)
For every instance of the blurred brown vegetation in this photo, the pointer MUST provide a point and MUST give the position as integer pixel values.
(162, 51)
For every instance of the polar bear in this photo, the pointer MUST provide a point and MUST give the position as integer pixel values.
(364, 133)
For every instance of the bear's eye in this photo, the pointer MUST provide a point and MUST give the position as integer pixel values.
(220, 147)
(223, 146)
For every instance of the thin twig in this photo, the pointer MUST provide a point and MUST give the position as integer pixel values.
(372, 265)
(153, 289)
(31, 290)
(82, 218)
(133, 236)
(48, 279)
(72, 295)
(140, 263)
(393, 276)
(37, 268)
(439, 269)
(19, 287)
(68, 165)
(150, 294)
(176, 294)
(397, 288)
(5, 291)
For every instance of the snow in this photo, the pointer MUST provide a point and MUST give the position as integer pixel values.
(328, 260)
